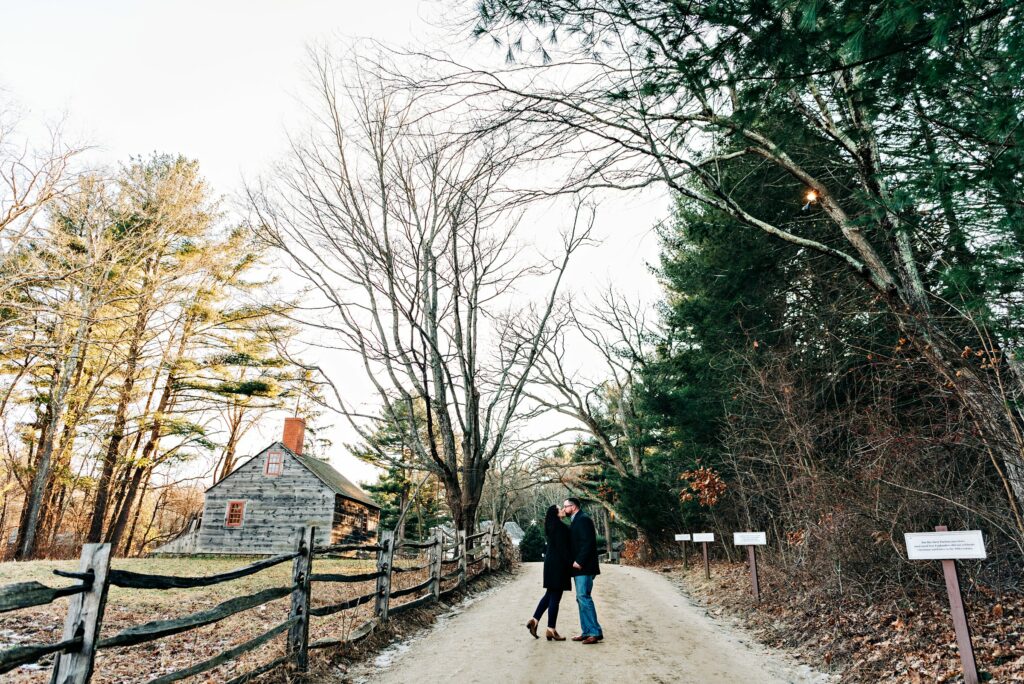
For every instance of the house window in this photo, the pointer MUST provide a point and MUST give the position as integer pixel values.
(235, 514)
(275, 464)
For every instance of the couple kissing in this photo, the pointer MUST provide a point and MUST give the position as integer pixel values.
(571, 553)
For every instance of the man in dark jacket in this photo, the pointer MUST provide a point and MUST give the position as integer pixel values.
(583, 537)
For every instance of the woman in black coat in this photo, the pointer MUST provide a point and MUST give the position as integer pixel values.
(557, 568)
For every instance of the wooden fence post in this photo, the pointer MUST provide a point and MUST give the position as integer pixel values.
(385, 559)
(489, 544)
(436, 555)
(463, 577)
(302, 567)
(496, 547)
(85, 615)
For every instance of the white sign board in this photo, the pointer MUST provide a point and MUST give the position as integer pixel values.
(749, 538)
(682, 537)
(945, 545)
(704, 537)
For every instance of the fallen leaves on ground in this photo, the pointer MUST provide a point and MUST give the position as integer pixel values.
(905, 638)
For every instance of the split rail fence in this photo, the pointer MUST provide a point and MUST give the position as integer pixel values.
(451, 559)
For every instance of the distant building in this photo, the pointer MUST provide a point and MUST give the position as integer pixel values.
(514, 532)
(262, 506)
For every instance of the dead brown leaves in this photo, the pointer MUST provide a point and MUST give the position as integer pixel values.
(703, 483)
(894, 639)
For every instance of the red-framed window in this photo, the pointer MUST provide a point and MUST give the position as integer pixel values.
(275, 463)
(235, 514)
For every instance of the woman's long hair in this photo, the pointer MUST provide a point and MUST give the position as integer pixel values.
(551, 519)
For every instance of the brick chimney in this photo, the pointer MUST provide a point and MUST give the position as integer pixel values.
(294, 434)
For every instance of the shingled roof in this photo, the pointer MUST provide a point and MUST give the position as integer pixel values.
(322, 470)
(332, 478)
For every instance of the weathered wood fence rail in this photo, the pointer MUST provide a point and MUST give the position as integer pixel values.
(74, 655)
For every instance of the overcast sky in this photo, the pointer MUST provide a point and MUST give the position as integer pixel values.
(220, 81)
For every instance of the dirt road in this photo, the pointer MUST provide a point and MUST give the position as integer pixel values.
(652, 634)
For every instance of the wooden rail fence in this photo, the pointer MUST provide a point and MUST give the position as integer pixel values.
(74, 655)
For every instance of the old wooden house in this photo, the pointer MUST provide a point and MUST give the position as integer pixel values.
(261, 507)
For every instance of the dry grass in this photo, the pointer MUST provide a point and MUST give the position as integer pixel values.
(127, 607)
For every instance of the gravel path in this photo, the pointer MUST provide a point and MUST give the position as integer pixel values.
(652, 634)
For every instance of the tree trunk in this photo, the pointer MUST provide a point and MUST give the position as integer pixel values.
(122, 479)
(230, 448)
(403, 502)
(152, 519)
(99, 513)
(58, 397)
(3, 527)
(120, 521)
(53, 511)
(135, 518)
(464, 499)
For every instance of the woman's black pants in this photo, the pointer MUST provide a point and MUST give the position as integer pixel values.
(549, 603)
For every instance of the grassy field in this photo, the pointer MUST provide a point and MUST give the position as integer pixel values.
(126, 607)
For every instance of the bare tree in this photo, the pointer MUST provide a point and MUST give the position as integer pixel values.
(601, 401)
(399, 229)
(30, 178)
(618, 332)
(612, 117)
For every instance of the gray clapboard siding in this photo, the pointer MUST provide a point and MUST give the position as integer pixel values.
(353, 522)
(277, 508)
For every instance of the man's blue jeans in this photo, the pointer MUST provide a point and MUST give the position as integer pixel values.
(588, 613)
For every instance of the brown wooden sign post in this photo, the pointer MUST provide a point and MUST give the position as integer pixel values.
(683, 538)
(948, 547)
(755, 586)
(751, 540)
(705, 538)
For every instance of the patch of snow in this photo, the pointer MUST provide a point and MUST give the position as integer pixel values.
(386, 657)
(10, 638)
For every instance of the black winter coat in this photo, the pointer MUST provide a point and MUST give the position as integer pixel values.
(583, 537)
(557, 558)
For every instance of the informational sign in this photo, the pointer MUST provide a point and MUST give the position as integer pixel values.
(682, 537)
(749, 538)
(960, 545)
(704, 537)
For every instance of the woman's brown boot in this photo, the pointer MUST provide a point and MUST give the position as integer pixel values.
(532, 626)
(553, 635)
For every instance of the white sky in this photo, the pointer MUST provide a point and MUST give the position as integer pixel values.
(220, 80)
